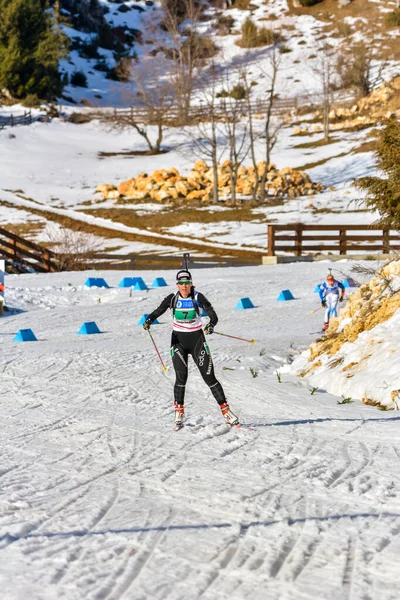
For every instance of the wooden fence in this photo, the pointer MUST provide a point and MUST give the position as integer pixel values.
(13, 120)
(300, 239)
(222, 108)
(23, 255)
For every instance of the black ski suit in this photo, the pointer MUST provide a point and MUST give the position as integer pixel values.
(184, 343)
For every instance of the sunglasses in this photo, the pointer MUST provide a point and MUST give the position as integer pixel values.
(186, 282)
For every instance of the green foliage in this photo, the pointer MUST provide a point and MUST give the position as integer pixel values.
(262, 351)
(79, 79)
(31, 101)
(30, 48)
(238, 92)
(383, 194)
(253, 372)
(278, 376)
(309, 2)
(345, 401)
(314, 389)
(393, 18)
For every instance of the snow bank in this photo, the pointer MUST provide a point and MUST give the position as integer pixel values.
(360, 356)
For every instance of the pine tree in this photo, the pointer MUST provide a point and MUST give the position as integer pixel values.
(30, 48)
(383, 194)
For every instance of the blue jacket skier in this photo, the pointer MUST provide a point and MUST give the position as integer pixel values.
(188, 338)
(330, 292)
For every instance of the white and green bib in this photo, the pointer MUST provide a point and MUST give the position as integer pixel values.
(185, 316)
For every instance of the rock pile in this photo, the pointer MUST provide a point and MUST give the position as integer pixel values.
(165, 185)
(367, 111)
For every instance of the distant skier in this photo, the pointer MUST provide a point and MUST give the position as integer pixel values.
(330, 292)
(188, 338)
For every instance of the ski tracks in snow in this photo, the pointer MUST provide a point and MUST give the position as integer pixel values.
(101, 499)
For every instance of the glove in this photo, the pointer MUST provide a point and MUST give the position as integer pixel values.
(341, 299)
(323, 302)
(146, 325)
(209, 329)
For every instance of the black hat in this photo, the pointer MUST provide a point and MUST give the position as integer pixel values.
(183, 276)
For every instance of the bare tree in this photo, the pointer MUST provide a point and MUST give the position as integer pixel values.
(74, 248)
(356, 69)
(152, 96)
(325, 71)
(272, 124)
(236, 131)
(204, 136)
(253, 136)
(188, 49)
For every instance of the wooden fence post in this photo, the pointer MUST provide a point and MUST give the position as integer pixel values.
(271, 240)
(298, 240)
(342, 241)
(385, 241)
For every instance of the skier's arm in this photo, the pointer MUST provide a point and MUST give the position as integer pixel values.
(160, 310)
(342, 290)
(322, 292)
(204, 303)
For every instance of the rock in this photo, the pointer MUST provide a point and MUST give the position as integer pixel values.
(159, 195)
(106, 188)
(193, 183)
(200, 165)
(196, 195)
(182, 188)
(127, 188)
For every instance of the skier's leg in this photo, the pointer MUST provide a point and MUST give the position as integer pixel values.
(334, 303)
(202, 357)
(179, 361)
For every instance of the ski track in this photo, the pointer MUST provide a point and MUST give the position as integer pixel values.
(100, 499)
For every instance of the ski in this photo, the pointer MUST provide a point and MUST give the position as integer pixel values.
(243, 426)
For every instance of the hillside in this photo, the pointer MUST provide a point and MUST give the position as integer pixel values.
(66, 158)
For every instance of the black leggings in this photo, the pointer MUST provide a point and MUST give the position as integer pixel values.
(194, 343)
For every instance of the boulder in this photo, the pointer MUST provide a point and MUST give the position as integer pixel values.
(182, 188)
(196, 195)
(127, 188)
(105, 189)
(200, 166)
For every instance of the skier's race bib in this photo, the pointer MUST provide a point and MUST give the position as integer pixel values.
(186, 317)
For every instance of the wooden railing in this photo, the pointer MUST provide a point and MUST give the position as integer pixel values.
(24, 255)
(13, 120)
(300, 239)
(221, 109)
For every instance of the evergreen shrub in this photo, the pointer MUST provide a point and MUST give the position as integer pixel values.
(79, 79)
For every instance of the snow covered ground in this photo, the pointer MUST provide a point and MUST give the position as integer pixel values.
(101, 499)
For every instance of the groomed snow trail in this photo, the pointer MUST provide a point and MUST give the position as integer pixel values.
(101, 500)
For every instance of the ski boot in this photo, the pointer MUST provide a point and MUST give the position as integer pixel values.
(228, 415)
(325, 327)
(179, 416)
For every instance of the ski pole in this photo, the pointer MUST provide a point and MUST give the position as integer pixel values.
(156, 349)
(314, 311)
(234, 337)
